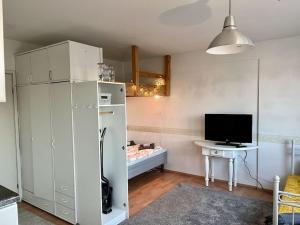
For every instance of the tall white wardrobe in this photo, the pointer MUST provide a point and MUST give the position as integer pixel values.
(59, 159)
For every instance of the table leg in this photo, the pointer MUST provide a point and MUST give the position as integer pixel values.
(235, 162)
(230, 170)
(206, 170)
(212, 169)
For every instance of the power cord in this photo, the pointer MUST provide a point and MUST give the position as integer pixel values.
(248, 170)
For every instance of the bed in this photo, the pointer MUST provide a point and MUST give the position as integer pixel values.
(142, 160)
(286, 203)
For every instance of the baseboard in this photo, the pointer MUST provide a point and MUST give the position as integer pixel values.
(218, 180)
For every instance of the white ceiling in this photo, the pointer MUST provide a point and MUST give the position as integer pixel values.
(157, 26)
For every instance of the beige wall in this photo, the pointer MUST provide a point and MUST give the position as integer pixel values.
(11, 47)
(7, 124)
(202, 83)
(2, 72)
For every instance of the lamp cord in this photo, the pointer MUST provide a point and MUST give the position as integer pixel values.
(249, 172)
(229, 7)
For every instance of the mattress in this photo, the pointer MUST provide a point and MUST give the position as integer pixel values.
(136, 156)
(292, 186)
(140, 161)
(286, 212)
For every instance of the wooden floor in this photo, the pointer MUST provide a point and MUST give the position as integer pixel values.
(42, 214)
(146, 188)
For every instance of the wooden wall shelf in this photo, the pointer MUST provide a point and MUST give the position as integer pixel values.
(159, 85)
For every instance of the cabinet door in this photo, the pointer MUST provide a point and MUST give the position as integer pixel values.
(92, 58)
(23, 70)
(59, 62)
(25, 137)
(62, 138)
(41, 141)
(84, 61)
(40, 66)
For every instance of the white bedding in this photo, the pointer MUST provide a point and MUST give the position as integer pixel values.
(134, 160)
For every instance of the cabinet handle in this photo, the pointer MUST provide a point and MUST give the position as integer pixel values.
(64, 200)
(64, 188)
(65, 212)
(50, 75)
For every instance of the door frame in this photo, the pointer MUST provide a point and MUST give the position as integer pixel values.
(16, 126)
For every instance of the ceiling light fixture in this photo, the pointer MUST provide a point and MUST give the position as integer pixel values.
(230, 40)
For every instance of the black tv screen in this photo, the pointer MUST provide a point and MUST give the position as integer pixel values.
(228, 128)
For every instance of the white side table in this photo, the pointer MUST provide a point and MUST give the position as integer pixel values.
(9, 215)
(210, 151)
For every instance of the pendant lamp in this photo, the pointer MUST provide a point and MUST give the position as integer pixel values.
(230, 40)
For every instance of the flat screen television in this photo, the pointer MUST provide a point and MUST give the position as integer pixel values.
(228, 128)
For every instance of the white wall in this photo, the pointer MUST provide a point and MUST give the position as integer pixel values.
(119, 68)
(149, 65)
(202, 83)
(8, 150)
(11, 47)
(2, 70)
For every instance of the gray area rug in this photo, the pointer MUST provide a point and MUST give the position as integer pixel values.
(191, 205)
(28, 218)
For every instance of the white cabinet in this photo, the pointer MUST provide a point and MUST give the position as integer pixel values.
(24, 69)
(59, 134)
(61, 108)
(46, 144)
(35, 142)
(65, 61)
(89, 118)
(9, 215)
(60, 118)
(59, 62)
(41, 141)
(39, 66)
(84, 61)
(65, 200)
(65, 213)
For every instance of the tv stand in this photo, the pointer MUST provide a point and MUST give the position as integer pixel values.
(240, 145)
(211, 150)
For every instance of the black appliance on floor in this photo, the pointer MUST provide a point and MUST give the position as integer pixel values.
(106, 188)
